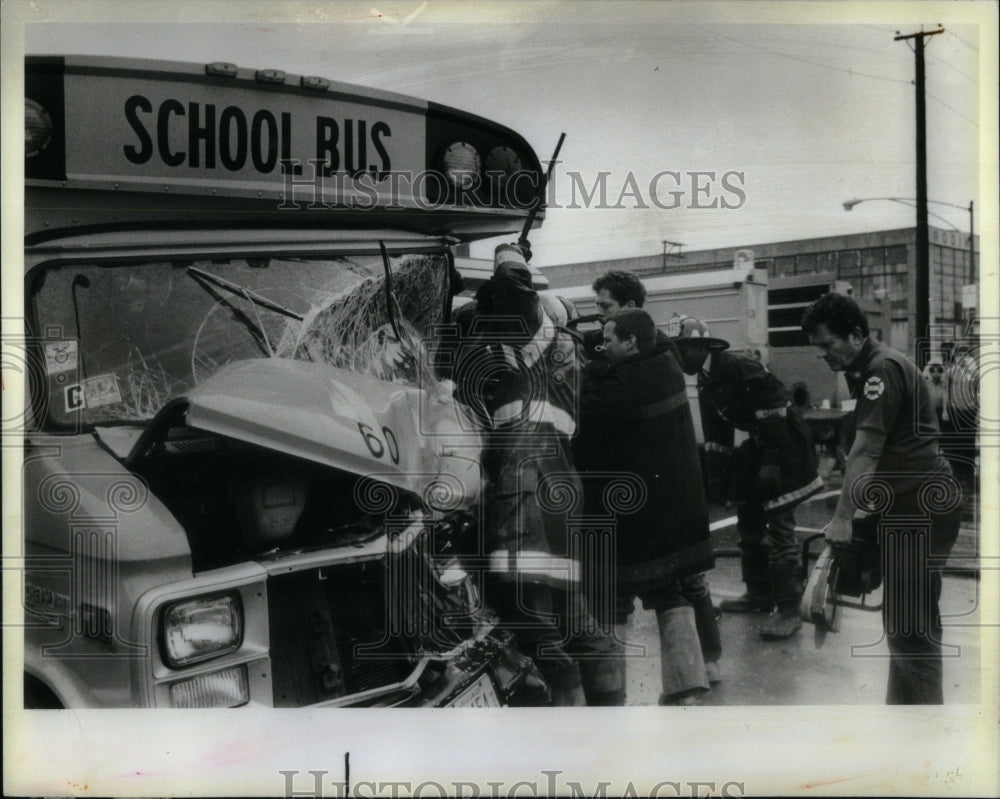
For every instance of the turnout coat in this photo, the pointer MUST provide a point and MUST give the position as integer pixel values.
(519, 371)
(738, 393)
(638, 460)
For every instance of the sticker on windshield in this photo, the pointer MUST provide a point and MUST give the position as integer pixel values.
(74, 397)
(101, 390)
(60, 356)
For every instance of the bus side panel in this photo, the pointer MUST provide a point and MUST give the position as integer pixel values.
(95, 540)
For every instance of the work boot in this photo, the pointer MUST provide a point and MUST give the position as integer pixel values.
(684, 699)
(604, 680)
(707, 622)
(682, 666)
(784, 622)
(747, 603)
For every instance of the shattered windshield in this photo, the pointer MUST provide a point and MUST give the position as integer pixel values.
(121, 341)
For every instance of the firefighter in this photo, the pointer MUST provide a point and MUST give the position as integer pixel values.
(636, 426)
(766, 477)
(616, 291)
(524, 370)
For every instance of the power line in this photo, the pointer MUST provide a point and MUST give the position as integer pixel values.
(779, 54)
(956, 69)
(960, 39)
(972, 122)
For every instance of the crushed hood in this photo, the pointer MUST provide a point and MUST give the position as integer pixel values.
(416, 440)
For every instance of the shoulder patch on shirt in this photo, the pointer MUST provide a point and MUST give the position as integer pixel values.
(874, 386)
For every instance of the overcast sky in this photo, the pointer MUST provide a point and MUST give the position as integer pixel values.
(808, 110)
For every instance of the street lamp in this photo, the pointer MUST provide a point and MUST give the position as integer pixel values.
(923, 265)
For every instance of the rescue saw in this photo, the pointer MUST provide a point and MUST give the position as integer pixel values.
(842, 577)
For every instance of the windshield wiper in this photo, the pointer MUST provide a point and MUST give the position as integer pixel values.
(255, 326)
(84, 282)
(245, 293)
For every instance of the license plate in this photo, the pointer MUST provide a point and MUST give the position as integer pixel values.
(479, 694)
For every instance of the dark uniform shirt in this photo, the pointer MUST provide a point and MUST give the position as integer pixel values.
(893, 399)
(737, 392)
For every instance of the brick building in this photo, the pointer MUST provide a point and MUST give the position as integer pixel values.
(879, 266)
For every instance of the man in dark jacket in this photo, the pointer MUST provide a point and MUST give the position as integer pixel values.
(615, 291)
(766, 477)
(520, 374)
(638, 459)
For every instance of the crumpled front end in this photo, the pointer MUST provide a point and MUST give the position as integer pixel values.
(405, 629)
(348, 501)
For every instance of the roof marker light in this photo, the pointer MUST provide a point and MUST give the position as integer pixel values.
(221, 68)
(270, 76)
(317, 84)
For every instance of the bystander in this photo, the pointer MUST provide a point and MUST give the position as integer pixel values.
(961, 413)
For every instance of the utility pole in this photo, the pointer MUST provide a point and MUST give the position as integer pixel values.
(972, 247)
(923, 231)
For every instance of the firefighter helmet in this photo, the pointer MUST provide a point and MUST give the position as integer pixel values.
(684, 328)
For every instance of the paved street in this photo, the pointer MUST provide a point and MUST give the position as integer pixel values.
(851, 667)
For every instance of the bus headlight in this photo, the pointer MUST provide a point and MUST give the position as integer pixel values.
(199, 629)
(37, 128)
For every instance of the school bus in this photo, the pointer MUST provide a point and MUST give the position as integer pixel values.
(244, 483)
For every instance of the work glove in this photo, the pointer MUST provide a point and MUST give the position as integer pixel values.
(768, 482)
(525, 247)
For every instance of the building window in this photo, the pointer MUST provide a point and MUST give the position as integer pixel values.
(784, 265)
(896, 254)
